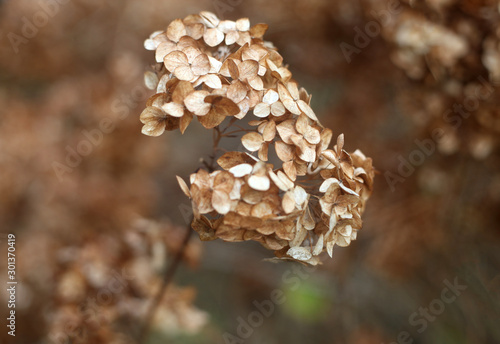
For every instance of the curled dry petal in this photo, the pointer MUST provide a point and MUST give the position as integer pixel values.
(176, 30)
(231, 159)
(195, 102)
(299, 253)
(252, 141)
(183, 186)
(153, 120)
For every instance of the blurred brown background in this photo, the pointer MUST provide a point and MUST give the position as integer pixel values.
(87, 199)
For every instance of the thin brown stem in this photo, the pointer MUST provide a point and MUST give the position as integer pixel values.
(167, 278)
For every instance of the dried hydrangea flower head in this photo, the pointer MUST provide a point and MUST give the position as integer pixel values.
(211, 69)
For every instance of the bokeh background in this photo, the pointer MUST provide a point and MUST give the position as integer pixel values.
(95, 230)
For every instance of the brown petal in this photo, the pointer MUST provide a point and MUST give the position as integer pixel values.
(248, 68)
(287, 100)
(262, 110)
(151, 80)
(290, 170)
(231, 159)
(163, 50)
(277, 181)
(221, 202)
(209, 19)
(195, 102)
(174, 60)
(154, 121)
(173, 109)
(237, 91)
(256, 83)
(261, 210)
(184, 186)
(286, 129)
(213, 37)
(184, 73)
(340, 143)
(278, 109)
(300, 253)
(268, 228)
(269, 131)
(224, 181)
(270, 97)
(312, 135)
(232, 37)
(282, 176)
(254, 52)
(258, 30)
(326, 138)
(307, 110)
(288, 202)
(215, 65)
(233, 69)
(230, 234)
(176, 30)
(318, 247)
(202, 198)
(274, 243)
(300, 235)
(200, 65)
(285, 232)
(244, 38)
(211, 80)
(181, 91)
(263, 152)
(212, 119)
(203, 228)
(302, 124)
(293, 89)
(308, 220)
(171, 123)
(285, 152)
(252, 235)
(195, 30)
(186, 42)
(185, 121)
(251, 196)
(243, 24)
(252, 141)
(306, 151)
(222, 105)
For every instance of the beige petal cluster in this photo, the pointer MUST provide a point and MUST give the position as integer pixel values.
(212, 69)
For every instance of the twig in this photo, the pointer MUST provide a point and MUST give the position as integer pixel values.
(167, 278)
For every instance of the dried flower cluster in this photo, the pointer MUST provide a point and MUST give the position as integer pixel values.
(453, 50)
(212, 69)
(107, 284)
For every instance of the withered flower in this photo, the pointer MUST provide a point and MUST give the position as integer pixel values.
(212, 69)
